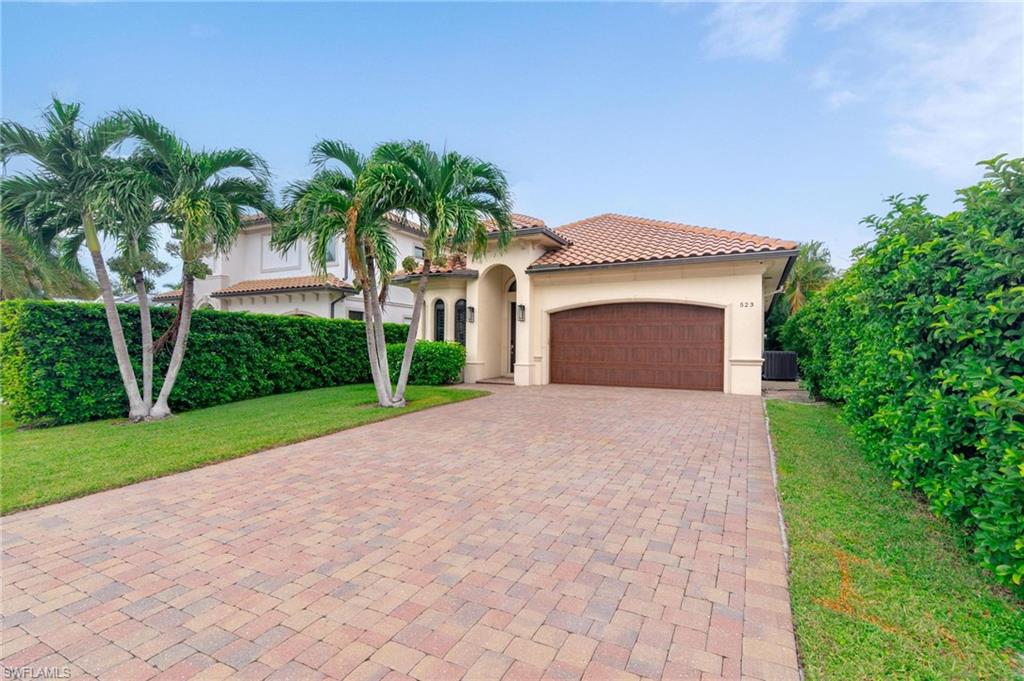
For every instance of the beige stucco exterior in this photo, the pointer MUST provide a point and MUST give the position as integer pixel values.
(740, 286)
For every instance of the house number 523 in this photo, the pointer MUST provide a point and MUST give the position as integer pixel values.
(746, 303)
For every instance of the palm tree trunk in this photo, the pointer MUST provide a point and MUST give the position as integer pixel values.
(380, 341)
(382, 347)
(381, 382)
(137, 409)
(414, 325)
(162, 407)
(146, 326)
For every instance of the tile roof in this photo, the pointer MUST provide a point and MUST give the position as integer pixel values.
(254, 218)
(455, 264)
(167, 295)
(519, 221)
(329, 282)
(612, 238)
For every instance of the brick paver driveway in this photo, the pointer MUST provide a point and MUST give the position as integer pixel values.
(558, 532)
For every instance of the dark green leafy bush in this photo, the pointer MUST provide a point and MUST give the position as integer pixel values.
(922, 341)
(433, 362)
(57, 365)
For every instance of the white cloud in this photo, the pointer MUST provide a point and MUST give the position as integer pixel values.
(947, 81)
(846, 13)
(750, 29)
(838, 94)
(956, 91)
(837, 99)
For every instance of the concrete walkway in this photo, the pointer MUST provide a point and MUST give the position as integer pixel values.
(554, 532)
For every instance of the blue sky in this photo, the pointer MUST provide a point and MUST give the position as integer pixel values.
(792, 120)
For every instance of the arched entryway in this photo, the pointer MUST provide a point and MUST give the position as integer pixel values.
(496, 317)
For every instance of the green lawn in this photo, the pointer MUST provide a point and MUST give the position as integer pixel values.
(880, 587)
(52, 464)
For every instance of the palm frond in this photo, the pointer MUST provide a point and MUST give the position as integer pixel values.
(104, 135)
(160, 142)
(17, 140)
(211, 164)
(326, 151)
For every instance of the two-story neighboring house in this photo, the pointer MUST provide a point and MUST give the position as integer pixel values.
(252, 277)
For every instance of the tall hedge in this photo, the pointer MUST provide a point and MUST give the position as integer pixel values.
(922, 342)
(57, 364)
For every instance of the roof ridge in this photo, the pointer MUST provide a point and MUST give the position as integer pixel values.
(589, 219)
(614, 237)
(297, 276)
(676, 226)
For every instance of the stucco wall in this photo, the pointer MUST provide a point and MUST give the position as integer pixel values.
(735, 287)
(250, 258)
(449, 291)
(487, 339)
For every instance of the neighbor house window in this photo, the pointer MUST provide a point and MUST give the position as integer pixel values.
(418, 252)
(356, 315)
(460, 321)
(439, 320)
(332, 251)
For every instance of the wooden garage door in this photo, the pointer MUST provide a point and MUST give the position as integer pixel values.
(651, 345)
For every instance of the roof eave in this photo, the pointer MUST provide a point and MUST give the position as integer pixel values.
(457, 274)
(533, 231)
(782, 282)
(755, 255)
(291, 289)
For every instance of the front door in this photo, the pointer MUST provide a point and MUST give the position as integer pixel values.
(512, 338)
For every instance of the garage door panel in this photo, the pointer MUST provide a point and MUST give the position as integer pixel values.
(661, 345)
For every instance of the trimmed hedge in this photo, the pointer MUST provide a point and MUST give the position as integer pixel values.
(922, 342)
(433, 362)
(57, 364)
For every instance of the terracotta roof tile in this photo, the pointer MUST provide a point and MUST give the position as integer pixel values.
(330, 282)
(519, 221)
(455, 263)
(254, 218)
(167, 295)
(613, 238)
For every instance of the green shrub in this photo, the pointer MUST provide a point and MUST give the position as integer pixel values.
(433, 362)
(922, 341)
(57, 364)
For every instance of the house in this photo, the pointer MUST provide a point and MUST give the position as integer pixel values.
(252, 277)
(611, 300)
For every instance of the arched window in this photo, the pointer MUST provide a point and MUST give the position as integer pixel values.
(460, 321)
(439, 320)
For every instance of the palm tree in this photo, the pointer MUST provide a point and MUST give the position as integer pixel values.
(135, 266)
(31, 267)
(454, 197)
(203, 196)
(69, 193)
(321, 209)
(811, 271)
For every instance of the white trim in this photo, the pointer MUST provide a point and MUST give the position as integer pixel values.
(612, 301)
